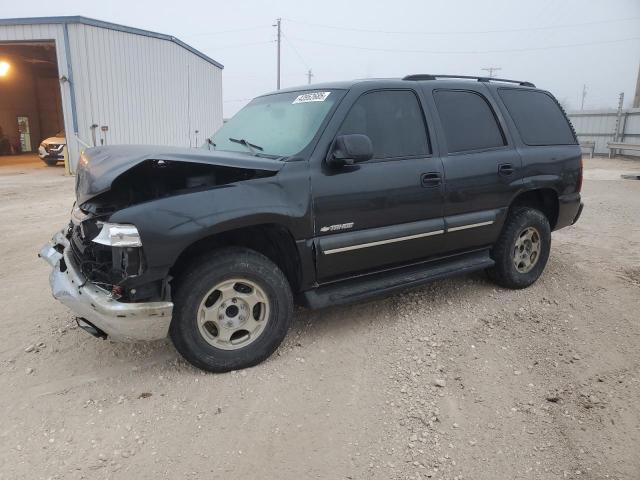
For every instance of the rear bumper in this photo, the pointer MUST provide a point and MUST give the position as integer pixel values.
(127, 322)
(577, 217)
(569, 210)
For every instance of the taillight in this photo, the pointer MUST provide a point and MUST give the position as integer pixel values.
(579, 185)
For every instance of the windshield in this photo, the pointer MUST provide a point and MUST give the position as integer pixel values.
(275, 125)
(60, 134)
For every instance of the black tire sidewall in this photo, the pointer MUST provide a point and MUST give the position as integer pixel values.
(505, 272)
(198, 281)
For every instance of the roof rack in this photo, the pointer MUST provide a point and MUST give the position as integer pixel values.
(427, 76)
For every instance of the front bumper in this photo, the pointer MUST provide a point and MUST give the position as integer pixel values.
(51, 154)
(126, 322)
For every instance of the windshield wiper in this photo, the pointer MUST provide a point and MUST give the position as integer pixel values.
(210, 144)
(252, 147)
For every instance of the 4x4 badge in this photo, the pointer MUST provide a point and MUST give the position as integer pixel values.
(339, 226)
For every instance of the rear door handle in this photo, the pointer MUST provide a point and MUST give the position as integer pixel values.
(431, 179)
(506, 169)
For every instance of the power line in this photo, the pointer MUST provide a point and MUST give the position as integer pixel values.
(463, 32)
(300, 57)
(237, 100)
(467, 52)
(295, 50)
(242, 45)
(220, 32)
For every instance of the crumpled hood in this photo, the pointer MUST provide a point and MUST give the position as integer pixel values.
(100, 166)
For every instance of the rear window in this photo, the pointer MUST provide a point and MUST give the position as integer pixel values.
(468, 121)
(537, 116)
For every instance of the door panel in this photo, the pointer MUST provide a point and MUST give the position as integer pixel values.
(386, 211)
(482, 173)
(384, 216)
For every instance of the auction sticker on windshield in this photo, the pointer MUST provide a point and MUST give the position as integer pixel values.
(311, 97)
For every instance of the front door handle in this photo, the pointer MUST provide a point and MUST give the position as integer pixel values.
(506, 169)
(431, 179)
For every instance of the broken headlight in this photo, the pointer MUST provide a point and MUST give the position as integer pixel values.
(118, 235)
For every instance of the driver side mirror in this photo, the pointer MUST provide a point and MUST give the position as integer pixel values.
(349, 150)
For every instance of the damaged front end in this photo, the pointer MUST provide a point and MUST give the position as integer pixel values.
(100, 269)
(108, 255)
(99, 311)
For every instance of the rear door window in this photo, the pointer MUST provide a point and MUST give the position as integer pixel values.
(537, 116)
(468, 121)
(394, 122)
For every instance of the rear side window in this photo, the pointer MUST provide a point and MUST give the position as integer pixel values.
(537, 116)
(393, 120)
(468, 121)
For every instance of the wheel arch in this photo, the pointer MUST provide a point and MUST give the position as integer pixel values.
(543, 199)
(272, 240)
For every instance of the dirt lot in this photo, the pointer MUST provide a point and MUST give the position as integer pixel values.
(457, 380)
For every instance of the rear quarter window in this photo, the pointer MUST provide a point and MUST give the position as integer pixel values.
(538, 117)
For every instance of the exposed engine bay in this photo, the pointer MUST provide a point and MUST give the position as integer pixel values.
(110, 267)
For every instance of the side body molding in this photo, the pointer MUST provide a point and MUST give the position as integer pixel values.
(347, 241)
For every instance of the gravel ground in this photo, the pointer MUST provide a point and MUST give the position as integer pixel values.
(456, 380)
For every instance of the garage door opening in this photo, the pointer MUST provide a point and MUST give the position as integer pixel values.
(31, 118)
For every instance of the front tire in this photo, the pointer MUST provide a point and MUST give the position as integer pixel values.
(51, 162)
(522, 250)
(231, 310)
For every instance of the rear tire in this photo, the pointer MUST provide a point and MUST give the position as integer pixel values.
(522, 250)
(231, 310)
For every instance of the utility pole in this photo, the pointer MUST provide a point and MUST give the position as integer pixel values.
(491, 70)
(636, 98)
(617, 137)
(584, 95)
(277, 24)
(309, 75)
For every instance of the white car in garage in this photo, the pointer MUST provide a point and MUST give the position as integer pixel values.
(51, 150)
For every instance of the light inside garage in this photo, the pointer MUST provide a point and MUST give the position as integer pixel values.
(4, 68)
(30, 100)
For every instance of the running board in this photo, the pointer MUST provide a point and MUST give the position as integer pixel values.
(370, 286)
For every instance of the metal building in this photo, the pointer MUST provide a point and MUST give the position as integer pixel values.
(106, 83)
(603, 126)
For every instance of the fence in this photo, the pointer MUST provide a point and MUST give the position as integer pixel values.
(599, 126)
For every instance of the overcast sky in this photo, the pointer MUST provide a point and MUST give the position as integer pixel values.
(558, 45)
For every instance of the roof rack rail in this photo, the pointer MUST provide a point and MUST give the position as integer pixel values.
(427, 76)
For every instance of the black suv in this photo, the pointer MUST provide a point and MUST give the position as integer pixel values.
(320, 196)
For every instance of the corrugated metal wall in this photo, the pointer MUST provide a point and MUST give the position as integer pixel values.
(145, 90)
(55, 33)
(599, 126)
